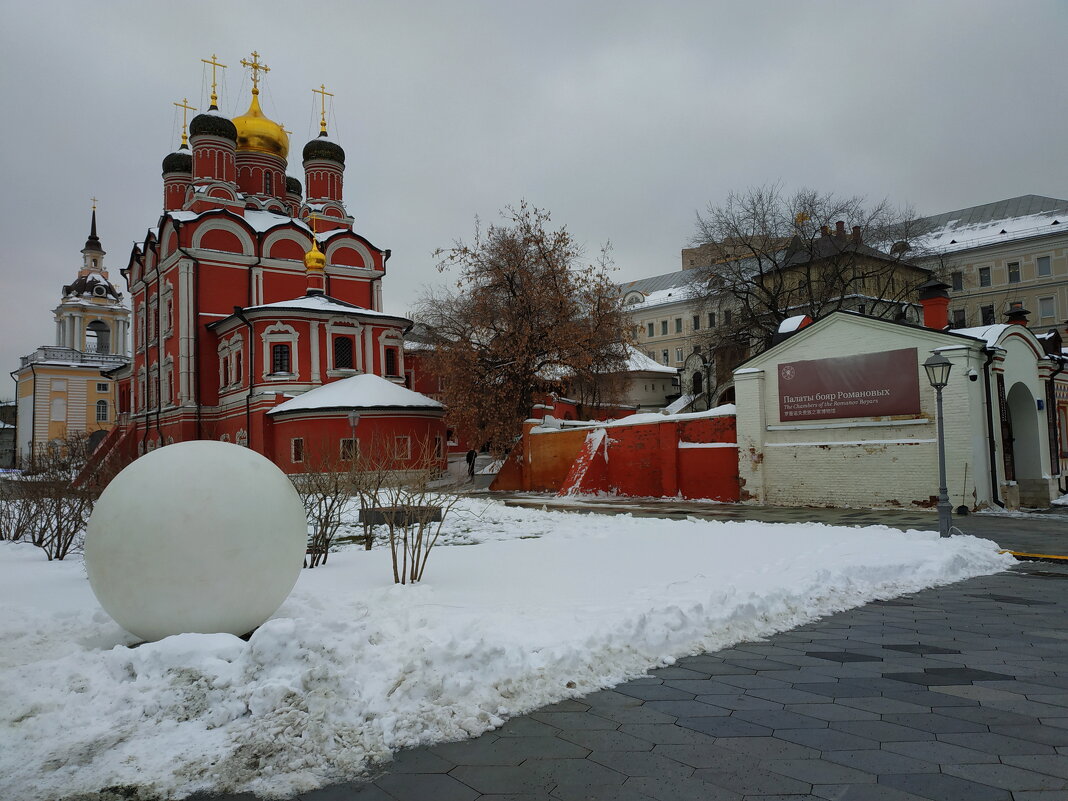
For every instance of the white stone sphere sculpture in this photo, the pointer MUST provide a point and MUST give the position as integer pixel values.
(201, 536)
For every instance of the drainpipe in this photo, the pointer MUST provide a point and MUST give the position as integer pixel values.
(1056, 430)
(990, 429)
(251, 370)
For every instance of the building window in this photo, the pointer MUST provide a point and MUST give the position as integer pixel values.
(225, 364)
(268, 184)
(984, 276)
(439, 447)
(402, 448)
(678, 354)
(238, 372)
(1046, 308)
(350, 449)
(987, 313)
(391, 361)
(1014, 272)
(103, 386)
(727, 317)
(957, 279)
(652, 330)
(342, 353)
(279, 358)
(296, 450)
(169, 385)
(168, 314)
(1043, 266)
(664, 356)
(711, 319)
(663, 328)
(697, 322)
(959, 318)
(678, 325)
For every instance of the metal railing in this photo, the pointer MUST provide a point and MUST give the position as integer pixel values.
(56, 353)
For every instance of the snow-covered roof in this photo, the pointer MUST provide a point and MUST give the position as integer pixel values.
(322, 303)
(638, 362)
(988, 333)
(791, 324)
(993, 223)
(364, 391)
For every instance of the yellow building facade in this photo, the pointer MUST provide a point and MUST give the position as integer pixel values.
(65, 388)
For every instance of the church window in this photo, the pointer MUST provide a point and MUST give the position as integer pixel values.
(168, 314)
(402, 448)
(97, 337)
(343, 353)
(391, 361)
(238, 372)
(296, 450)
(350, 449)
(279, 358)
(170, 388)
(102, 411)
(439, 447)
(268, 186)
(225, 380)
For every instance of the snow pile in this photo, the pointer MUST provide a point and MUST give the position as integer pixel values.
(1061, 501)
(352, 668)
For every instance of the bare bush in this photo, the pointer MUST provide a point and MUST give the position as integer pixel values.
(326, 490)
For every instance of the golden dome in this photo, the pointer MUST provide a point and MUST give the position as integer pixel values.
(258, 134)
(314, 259)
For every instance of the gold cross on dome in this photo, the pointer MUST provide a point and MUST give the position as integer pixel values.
(94, 203)
(185, 107)
(214, 63)
(324, 94)
(255, 66)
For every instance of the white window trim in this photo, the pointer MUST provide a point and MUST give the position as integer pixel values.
(1053, 306)
(407, 452)
(390, 338)
(280, 334)
(293, 450)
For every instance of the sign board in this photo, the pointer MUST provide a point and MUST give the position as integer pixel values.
(867, 385)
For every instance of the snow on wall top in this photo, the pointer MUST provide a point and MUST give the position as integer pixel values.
(792, 323)
(364, 391)
(988, 333)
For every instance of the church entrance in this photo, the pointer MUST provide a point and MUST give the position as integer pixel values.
(1026, 447)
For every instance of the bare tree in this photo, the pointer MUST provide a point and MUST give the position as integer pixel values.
(527, 317)
(326, 489)
(768, 256)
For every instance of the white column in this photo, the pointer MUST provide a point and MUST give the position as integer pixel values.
(314, 344)
(368, 350)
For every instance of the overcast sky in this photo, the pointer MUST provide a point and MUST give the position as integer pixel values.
(622, 118)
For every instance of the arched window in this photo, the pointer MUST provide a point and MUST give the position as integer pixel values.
(697, 383)
(342, 353)
(280, 358)
(101, 411)
(97, 337)
(391, 361)
(268, 183)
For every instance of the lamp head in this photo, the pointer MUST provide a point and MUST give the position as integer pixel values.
(938, 367)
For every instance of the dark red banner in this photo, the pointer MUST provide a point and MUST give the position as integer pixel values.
(869, 385)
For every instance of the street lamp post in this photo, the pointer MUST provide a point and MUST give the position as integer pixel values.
(354, 419)
(938, 367)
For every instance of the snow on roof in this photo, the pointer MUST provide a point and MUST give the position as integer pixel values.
(992, 223)
(659, 417)
(364, 391)
(638, 362)
(791, 324)
(322, 303)
(989, 333)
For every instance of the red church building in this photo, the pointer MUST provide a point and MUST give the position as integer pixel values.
(257, 311)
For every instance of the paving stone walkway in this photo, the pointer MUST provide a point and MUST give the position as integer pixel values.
(958, 693)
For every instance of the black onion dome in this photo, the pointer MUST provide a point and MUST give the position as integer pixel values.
(293, 186)
(213, 124)
(324, 148)
(181, 160)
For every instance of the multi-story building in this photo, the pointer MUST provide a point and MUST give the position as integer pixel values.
(64, 389)
(1000, 257)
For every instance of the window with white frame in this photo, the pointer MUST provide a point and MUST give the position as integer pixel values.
(652, 329)
(678, 354)
(280, 361)
(343, 353)
(280, 358)
(439, 447)
(102, 411)
(678, 325)
(1042, 267)
(664, 356)
(1014, 272)
(103, 386)
(663, 328)
(984, 276)
(1047, 308)
(402, 448)
(296, 450)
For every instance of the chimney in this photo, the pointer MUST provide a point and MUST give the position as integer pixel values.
(839, 229)
(934, 298)
(825, 231)
(856, 235)
(1017, 316)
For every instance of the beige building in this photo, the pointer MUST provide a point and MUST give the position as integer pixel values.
(63, 389)
(1001, 256)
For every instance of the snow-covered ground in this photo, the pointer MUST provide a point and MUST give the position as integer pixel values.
(539, 606)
